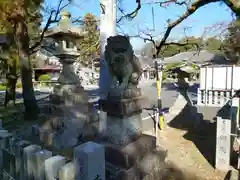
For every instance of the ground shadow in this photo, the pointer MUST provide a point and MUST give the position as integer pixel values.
(200, 131)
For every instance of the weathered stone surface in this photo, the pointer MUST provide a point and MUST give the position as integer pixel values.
(19, 163)
(47, 136)
(35, 130)
(151, 161)
(52, 166)
(223, 144)
(123, 107)
(124, 66)
(4, 137)
(123, 130)
(74, 116)
(67, 171)
(128, 174)
(28, 155)
(147, 168)
(40, 157)
(90, 161)
(127, 156)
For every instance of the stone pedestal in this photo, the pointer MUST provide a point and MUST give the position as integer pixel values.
(28, 155)
(129, 154)
(52, 166)
(90, 161)
(40, 157)
(71, 117)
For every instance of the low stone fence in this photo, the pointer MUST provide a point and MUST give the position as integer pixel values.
(227, 132)
(22, 160)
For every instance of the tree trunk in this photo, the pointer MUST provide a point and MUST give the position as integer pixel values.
(22, 41)
(10, 94)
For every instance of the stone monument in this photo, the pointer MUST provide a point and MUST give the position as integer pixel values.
(71, 114)
(125, 145)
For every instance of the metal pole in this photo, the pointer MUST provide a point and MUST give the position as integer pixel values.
(160, 121)
(107, 29)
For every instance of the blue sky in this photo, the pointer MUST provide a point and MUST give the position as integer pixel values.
(205, 17)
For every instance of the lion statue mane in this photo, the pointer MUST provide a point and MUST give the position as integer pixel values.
(123, 65)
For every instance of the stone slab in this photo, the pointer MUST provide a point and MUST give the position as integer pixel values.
(67, 171)
(223, 144)
(28, 155)
(40, 157)
(90, 161)
(19, 159)
(9, 163)
(127, 156)
(4, 137)
(123, 107)
(52, 166)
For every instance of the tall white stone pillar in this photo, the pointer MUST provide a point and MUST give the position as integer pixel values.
(107, 28)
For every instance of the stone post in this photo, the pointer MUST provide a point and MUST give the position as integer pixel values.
(90, 161)
(223, 143)
(40, 157)
(53, 165)
(4, 136)
(19, 158)
(28, 155)
(67, 171)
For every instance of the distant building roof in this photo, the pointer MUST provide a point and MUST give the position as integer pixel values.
(201, 57)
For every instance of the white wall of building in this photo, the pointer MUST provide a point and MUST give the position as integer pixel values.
(220, 77)
(218, 84)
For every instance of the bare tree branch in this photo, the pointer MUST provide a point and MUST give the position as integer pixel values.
(131, 15)
(53, 18)
(190, 10)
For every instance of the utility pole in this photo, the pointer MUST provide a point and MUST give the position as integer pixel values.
(107, 29)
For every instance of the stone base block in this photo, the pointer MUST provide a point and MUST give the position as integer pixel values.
(127, 156)
(122, 107)
(47, 137)
(147, 168)
(122, 131)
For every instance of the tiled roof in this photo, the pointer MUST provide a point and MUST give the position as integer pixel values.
(197, 57)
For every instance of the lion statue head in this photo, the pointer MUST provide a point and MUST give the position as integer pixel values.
(120, 58)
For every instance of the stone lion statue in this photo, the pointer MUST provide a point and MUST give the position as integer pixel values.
(124, 66)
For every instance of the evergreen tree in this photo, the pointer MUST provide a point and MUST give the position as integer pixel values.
(231, 44)
(18, 17)
(89, 46)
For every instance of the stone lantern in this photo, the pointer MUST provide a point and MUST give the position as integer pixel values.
(64, 36)
(71, 108)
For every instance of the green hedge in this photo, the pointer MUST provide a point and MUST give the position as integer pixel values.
(19, 85)
(2, 87)
(44, 77)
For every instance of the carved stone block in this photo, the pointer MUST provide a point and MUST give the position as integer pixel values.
(123, 107)
(126, 156)
(123, 130)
